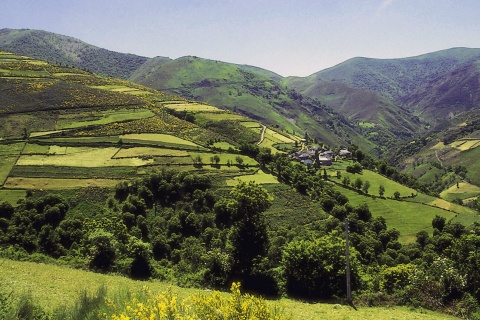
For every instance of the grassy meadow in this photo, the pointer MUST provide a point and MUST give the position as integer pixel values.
(54, 287)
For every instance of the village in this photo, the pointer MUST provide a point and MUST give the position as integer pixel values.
(323, 156)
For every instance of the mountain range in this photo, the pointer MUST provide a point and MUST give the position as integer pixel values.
(374, 103)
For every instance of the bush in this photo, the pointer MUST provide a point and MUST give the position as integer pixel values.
(212, 306)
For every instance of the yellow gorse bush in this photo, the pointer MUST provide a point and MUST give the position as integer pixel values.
(213, 306)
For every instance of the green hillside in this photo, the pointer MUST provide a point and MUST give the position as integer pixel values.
(245, 90)
(204, 190)
(68, 51)
(394, 78)
(447, 96)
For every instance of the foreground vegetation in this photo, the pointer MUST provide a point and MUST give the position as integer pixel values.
(56, 291)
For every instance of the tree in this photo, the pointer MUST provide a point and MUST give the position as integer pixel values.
(248, 236)
(346, 181)
(316, 268)
(355, 168)
(239, 160)
(101, 246)
(216, 158)
(396, 195)
(381, 190)
(438, 223)
(366, 186)
(358, 183)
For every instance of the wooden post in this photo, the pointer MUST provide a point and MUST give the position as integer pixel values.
(347, 261)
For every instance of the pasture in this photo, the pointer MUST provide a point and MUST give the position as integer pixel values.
(258, 177)
(202, 117)
(11, 196)
(375, 180)
(6, 165)
(193, 107)
(57, 184)
(465, 190)
(149, 152)
(207, 158)
(82, 119)
(158, 138)
(82, 157)
(407, 217)
(465, 144)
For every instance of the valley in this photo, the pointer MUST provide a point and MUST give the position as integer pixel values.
(183, 171)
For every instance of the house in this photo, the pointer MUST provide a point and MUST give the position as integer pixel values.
(307, 162)
(324, 160)
(327, 154)
(344, 153)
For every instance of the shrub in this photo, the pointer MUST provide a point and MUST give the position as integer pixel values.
(212, 306)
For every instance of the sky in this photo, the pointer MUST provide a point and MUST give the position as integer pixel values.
(289, 37)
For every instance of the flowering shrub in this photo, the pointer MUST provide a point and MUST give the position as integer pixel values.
(201, 306)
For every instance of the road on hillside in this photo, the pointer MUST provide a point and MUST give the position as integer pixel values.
(262, 136)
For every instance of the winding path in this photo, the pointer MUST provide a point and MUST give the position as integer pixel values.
(262, 136)
(436, 155)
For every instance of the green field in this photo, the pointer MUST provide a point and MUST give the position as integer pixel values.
(76, 120)
(158, 138)
(149, 152)
(11, 196)
(74, 172)
(54, 286)
(6, 165)
(407, 217)
(193, 107)
(224, 158)
(31, 148)
(465, 190)
(259, 177)
(375, 180)
(57, 184)
(202, 117)
(224, 145)
(11, 149)
(83, 157)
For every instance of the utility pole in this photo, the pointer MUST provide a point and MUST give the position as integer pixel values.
(347, 261)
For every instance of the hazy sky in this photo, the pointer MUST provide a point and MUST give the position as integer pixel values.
(288, 37)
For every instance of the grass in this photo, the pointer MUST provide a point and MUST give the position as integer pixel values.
(367, 124)
(11, 149)
(251, 124)
(57, 184)
(157, 137)
(375, 180)
(204, 117)
(11, 196)
(407, 217)
(465, 144)
(192, 107)
(465, 190)
(275, 136)
(32, 148)
(149, 152)
(77, 120)
(224, 145)
(73, 172)
(54, 286)
(224, 158)
(259, 177)
(85, 157)
(6, 165)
